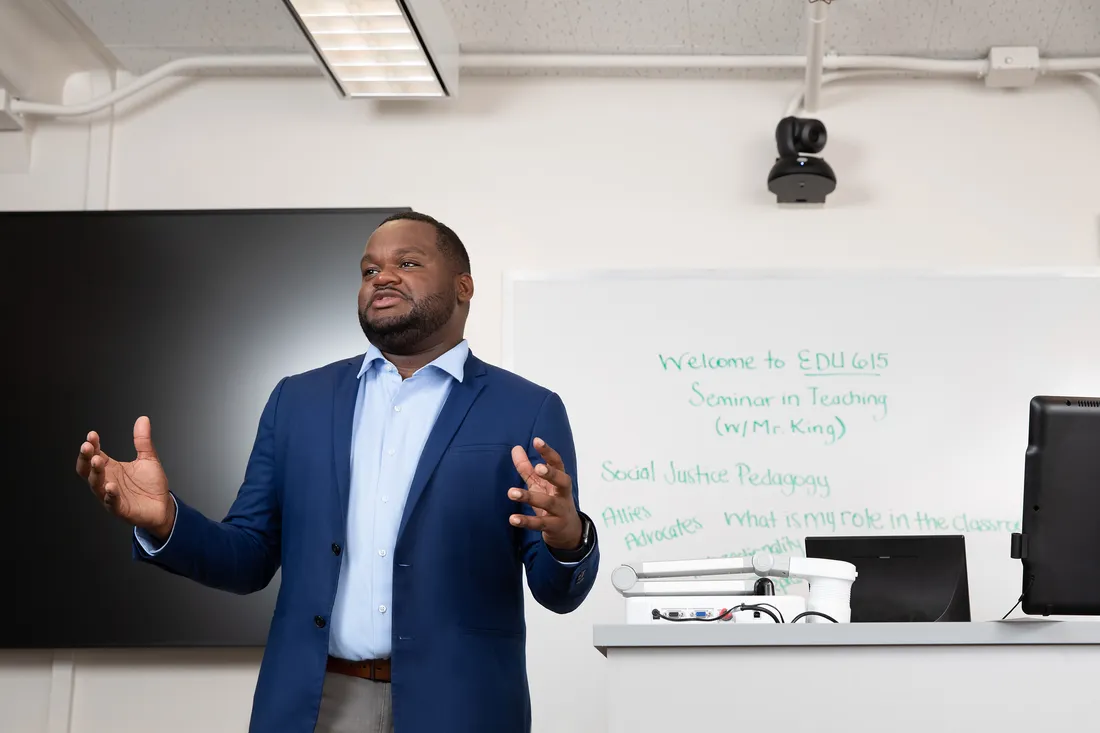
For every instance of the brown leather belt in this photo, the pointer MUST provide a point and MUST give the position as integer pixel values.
(368, 669)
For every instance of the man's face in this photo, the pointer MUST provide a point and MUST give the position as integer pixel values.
(408, 289)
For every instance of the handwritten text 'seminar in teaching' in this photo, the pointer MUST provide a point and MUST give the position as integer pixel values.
(821, 409)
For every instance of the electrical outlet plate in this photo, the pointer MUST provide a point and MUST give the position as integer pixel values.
(1012, 66)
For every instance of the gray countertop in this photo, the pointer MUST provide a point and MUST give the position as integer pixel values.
(1017, 631)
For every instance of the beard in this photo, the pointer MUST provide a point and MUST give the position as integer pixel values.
(403, 334)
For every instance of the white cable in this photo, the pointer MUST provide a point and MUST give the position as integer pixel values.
(1094, 78)
(172, 68)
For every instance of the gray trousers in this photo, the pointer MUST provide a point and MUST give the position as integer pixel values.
(354, 705)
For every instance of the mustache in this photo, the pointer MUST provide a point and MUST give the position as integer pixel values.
(386, 292)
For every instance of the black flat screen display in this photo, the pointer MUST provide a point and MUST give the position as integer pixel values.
(191, 318)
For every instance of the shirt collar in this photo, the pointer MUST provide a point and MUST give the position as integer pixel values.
(452, 362)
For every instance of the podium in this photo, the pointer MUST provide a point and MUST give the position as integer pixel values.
(1002, 676)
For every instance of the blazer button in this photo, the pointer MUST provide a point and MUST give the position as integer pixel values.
(319, 621)
(335, 549)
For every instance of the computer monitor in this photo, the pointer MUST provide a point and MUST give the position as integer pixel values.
(1059, 538)
(902, 578)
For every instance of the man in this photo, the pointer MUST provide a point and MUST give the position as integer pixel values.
(403, 492)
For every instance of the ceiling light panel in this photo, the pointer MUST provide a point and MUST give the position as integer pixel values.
(382, 48)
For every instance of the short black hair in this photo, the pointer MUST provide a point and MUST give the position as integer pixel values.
(446, 240)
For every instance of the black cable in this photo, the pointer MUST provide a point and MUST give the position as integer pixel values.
(768, 605)
(722, 616)
(760, 607)
(1030, 580)
(813, 613)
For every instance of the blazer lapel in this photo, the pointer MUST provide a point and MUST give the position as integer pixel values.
(454, 411)
(345, 389)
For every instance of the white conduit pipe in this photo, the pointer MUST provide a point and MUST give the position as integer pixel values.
(1051, 66)
(178, 67)
(560, 62)
(797, 104)
(513, 62)
(815, 52)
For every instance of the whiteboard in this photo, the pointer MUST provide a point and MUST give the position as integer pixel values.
(719, 413)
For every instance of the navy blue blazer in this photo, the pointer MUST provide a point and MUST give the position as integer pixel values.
(459, 635)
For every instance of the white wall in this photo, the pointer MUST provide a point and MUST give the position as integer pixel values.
(558, 173)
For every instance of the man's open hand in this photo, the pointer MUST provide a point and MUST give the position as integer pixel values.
(136, 491)
(550, 493)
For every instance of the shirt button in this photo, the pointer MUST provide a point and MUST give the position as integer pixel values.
(381, 553)
(391, 451)
(335, 549)
(385, 499)
(381, 609)
(319, 621)
(397, 408)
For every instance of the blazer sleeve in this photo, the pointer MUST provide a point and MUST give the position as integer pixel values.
(557, 586)
(241, 553)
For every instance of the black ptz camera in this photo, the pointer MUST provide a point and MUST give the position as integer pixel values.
(798, 177)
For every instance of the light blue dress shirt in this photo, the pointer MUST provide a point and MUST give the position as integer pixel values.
(393, 418)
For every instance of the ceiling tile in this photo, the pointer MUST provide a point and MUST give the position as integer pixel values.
(147, 22)
(513, 25)
(899, 27)
(630, 26)
(747, 26)
(167, 29)
(254, 23)
(1077, 29)
(972, 27)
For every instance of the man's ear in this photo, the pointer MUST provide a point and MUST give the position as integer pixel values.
(465, 287)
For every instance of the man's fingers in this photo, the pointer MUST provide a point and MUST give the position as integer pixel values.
(522, 462)
(536, 499)
(88, 448)
(550, 476)
(546, 523)
(110, 496)
(97, 474)
(84, 459)
(549, 455)
(558, 479)
(143, 438)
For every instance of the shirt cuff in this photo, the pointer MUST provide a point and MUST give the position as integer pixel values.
(151, 544)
